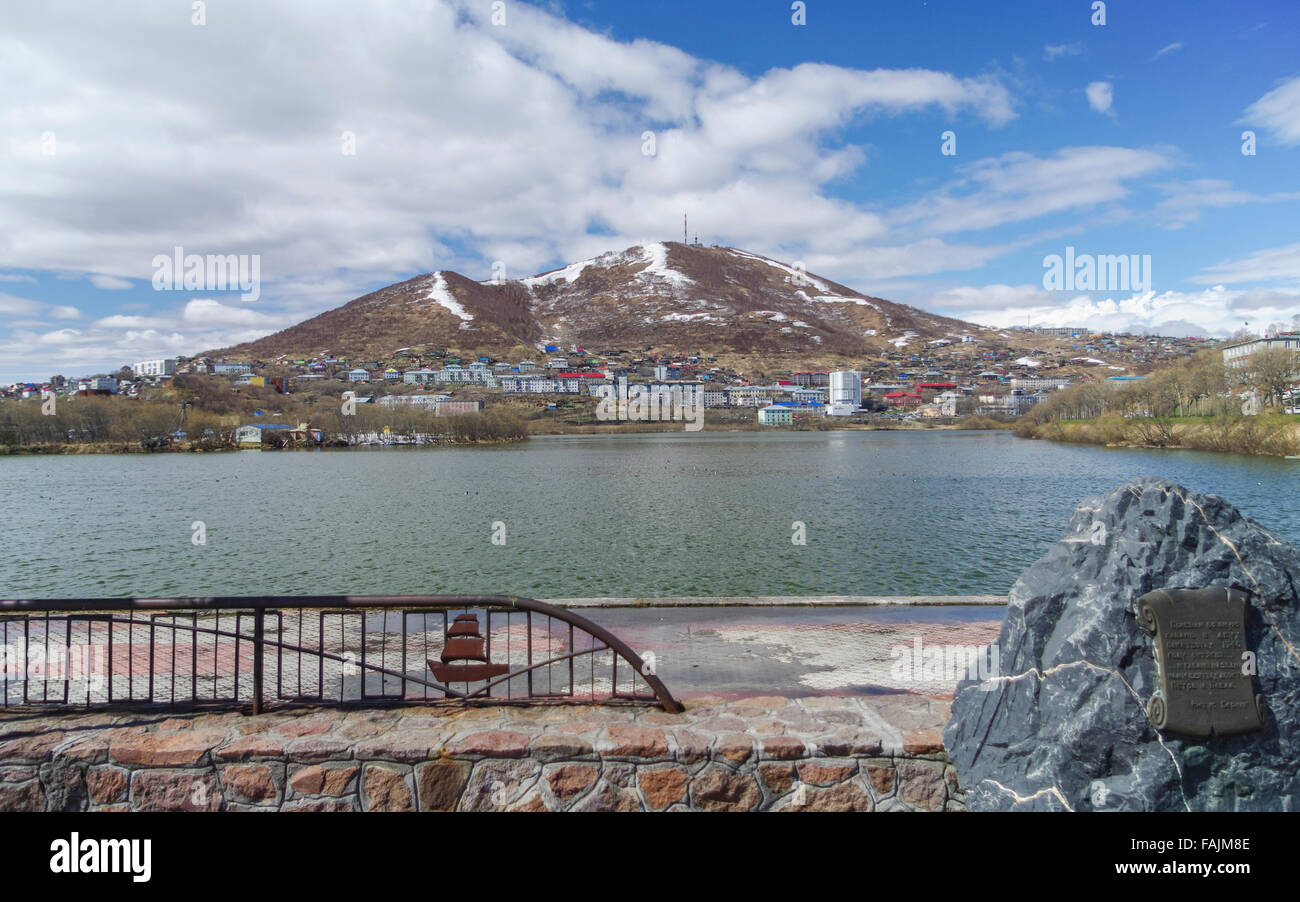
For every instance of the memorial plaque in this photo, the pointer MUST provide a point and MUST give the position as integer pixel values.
(1200, 637)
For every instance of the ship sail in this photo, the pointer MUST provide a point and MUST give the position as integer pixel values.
(464, 643)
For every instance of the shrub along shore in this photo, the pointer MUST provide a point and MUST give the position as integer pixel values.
(1235, 434)
(1195, 405)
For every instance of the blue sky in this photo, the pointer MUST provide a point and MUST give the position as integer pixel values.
(477, 139)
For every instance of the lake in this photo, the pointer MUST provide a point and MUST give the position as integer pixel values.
(708, 513)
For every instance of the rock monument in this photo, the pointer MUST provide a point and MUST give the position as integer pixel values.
(1150, 661)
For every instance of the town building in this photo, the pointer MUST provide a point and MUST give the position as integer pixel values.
(1237, 355)
(845, 393)
(105, 384)
(1038, 383)
(424, 401)
(155, 368)
(775, 416)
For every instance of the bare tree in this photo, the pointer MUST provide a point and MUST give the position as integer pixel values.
(1272, 372)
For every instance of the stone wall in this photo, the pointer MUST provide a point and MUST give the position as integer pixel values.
(770, 754)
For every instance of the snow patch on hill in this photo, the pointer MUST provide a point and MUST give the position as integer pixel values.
(440, 294)
(567, 274)
(656, 256)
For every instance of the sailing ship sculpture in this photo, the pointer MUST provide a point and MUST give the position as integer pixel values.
(464, 643)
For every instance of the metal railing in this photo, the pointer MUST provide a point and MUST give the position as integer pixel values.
(269, 651)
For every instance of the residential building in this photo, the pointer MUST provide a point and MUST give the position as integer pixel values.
(98, 383)
(845, 393)
(775, 416)
(358, 375)
(155, 368)
(425, 401)
(535, 384)
(1038, 383)
(1237, 355)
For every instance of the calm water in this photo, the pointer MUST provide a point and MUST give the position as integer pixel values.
(631, 515)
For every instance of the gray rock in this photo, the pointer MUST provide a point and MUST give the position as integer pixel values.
(1063, 725)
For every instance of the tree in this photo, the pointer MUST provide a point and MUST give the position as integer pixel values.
(1208, 378)
(1272, 372)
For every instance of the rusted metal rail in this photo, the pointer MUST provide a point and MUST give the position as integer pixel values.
(276, 650)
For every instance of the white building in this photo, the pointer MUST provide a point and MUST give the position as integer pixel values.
(845, 393)
(478, 373)
(98, 383)
(1237, 355)
(715, 397)
(428, 402)
(536, 385)
(1038, 383)
(165, 367)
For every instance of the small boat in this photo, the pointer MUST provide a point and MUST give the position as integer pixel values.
(463, 643)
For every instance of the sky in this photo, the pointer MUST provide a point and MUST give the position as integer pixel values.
(932, 153)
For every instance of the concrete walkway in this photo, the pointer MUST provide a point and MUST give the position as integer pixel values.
(802, 650)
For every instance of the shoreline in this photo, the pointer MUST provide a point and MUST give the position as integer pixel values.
(742, 601)
(595, 429)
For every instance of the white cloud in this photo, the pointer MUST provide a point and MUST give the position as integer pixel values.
(16, 306)
(111, 341)
(1214, 311)
(205, 312)
(1168, 49)
(1100, 96)
(1016, 187)
(1278, 111)
(10, 305)
(1054, 51)
(109, 283)
(960, 301)
(1279, 265)
(1184, 200)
